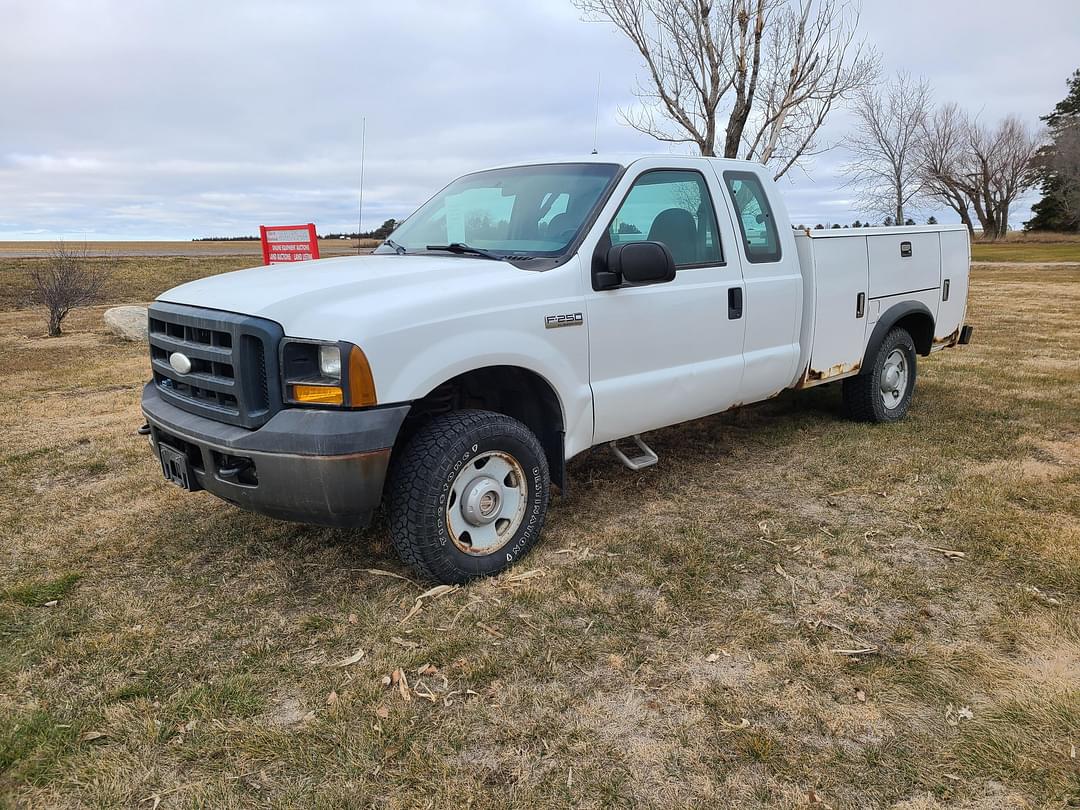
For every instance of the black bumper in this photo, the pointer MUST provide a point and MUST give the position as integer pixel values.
(311, 466)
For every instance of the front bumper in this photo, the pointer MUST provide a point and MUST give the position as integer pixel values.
(311, 466)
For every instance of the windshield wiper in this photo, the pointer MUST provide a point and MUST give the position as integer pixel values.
(396, 247)
(460, 247)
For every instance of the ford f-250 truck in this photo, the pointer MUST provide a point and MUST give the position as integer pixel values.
(521, 316)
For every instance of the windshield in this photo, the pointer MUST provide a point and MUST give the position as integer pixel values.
(521, 211)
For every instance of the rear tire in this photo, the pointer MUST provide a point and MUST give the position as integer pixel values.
(882, 393)
(467, 496)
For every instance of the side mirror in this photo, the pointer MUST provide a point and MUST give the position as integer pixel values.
(638, 263)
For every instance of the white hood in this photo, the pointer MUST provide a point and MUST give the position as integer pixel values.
(311, 299)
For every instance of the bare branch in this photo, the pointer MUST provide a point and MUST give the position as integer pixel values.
(69, 278)
(884, 167)
(780, 67)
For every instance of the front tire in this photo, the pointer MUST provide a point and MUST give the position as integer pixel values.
(467, 496)
(883, 392)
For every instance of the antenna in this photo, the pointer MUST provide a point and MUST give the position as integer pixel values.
(596, 118)
(360, 207)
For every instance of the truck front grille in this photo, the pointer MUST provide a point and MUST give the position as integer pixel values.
(233, 363)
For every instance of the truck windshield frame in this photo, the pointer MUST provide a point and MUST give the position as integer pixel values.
(519, 213)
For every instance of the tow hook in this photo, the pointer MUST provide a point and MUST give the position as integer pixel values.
(234, 470)
(144, 430)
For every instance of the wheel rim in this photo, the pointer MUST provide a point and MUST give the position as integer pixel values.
(894, 379)
(486, 503)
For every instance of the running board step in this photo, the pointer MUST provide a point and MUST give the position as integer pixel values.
(646, 459)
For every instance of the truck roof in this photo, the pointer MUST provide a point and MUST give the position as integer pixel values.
(623, 159)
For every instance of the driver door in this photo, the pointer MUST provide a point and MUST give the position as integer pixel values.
(665, 353)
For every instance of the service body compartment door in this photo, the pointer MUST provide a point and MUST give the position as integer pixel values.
(955, 260)
(842, 276)
(904, 263)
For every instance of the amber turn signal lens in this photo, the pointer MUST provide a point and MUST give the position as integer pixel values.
(361, 383)
(318, 394)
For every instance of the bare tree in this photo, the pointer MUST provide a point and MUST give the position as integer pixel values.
(1001, 170)
(971, 167)
(68, 279)
(942, 158)
(776, 67)
(885, 167)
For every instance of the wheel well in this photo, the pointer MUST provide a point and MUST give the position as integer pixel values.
(921, 328)
(510, 390)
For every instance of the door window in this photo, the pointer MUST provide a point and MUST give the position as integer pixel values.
(672, 207)
(755, 216)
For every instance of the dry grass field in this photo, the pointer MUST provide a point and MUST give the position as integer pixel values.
(327, 248)
(790, 610)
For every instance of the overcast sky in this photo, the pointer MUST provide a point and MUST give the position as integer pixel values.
(154, 120)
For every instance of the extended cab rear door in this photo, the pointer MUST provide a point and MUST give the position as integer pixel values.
(772, 278)
(668, 352)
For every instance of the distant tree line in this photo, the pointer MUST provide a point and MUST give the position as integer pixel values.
(888, 223)
(381, 232)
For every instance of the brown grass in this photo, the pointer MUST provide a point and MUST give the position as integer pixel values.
(675, 647)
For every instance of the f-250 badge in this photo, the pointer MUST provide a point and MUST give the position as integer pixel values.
(557, 321)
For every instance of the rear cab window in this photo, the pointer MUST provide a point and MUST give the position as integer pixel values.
(761, 240)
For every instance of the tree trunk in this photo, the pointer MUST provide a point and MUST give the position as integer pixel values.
(965, 218)
(1003, 221)
(54, 324)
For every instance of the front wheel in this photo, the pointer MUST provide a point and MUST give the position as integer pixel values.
(467, 496)
(882, 393)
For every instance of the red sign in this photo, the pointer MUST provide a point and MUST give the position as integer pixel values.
(289, 243)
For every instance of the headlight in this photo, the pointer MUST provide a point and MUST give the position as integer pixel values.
(317, 373)
(330, 361)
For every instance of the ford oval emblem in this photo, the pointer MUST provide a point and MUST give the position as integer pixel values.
(181, 363)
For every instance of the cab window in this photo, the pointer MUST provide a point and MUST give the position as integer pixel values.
(756, 222)
(673, 207)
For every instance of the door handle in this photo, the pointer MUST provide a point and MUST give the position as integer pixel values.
(945, 290)
(860, 305)
(734, 303)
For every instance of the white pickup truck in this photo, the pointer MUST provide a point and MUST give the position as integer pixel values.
(521, 316)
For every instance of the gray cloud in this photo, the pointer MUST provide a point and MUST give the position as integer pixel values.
(150, 120)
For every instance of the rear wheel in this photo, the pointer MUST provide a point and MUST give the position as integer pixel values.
(467, 496)
(882, 393)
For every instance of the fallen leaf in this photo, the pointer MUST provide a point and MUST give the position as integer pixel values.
(353, 618)
(88, 736)
(380, 573)
(403, 686)
(332, 698)
(711, 657)
(386, 680)
(491, 631)
(409, 645)
(1072, 751)
(860, 695)
(513, 579)
(431, 593)
(52, 603)
(395, 676)
(743, 723)
(382, 712)
(352, 659)
(428, 669)
(953, 715)
(949, 553)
